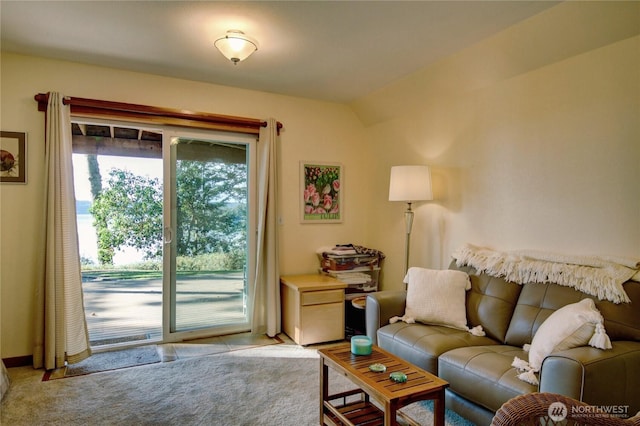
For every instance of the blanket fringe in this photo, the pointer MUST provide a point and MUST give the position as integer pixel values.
(596, 276)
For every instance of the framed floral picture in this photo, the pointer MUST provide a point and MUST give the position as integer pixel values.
(321, 187)
(13, 158)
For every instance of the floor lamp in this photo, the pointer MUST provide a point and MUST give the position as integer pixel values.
(409, 184)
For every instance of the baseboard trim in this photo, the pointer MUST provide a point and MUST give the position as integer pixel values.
(18, 361)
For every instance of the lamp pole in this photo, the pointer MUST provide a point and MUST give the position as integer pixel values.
(408, 219)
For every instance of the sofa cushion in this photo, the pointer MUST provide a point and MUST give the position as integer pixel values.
(437, 297)
(490, 302)
(422, 344)
(483, 374)
(535, 304)
(622, 320)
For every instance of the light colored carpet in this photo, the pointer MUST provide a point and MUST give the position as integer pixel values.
(266, 385)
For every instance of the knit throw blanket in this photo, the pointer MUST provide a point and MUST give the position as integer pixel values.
(599, 276)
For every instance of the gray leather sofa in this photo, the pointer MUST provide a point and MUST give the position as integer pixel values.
(479, 369)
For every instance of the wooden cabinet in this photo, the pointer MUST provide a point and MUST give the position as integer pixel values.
(312, 308)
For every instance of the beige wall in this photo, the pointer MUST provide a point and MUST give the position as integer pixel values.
(313, 130)
(533, 137)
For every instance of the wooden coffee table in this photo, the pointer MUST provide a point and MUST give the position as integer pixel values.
(345, 409)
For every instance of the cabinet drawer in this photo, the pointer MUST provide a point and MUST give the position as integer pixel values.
(322, 323)
(321, 297)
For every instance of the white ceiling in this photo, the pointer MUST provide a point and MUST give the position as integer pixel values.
(330, 50)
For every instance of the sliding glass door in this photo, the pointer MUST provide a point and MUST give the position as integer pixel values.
(208, 243)
(164, 220)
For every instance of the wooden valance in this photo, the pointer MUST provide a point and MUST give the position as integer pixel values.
(81, 107)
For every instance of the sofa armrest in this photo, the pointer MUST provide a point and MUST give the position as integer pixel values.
(598, 377)
(381, 306)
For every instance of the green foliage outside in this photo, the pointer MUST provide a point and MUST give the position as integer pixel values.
(211, 207)
(128, 213)
(232, 261)
(211, 210)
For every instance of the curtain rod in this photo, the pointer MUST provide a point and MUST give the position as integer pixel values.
(94, 107)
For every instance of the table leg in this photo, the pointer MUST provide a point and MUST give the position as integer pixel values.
(390, 413)
(438, 409)
(324, 387)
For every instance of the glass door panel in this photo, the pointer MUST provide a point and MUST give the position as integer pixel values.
(119, 214)
(209, 236)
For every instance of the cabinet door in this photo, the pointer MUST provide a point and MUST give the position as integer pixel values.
(322, 323)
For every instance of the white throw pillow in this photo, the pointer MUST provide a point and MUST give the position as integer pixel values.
(569, 327)
(437, 297)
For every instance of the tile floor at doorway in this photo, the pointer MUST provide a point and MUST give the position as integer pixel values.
(215, 345)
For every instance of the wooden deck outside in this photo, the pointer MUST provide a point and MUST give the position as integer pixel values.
(131, 310)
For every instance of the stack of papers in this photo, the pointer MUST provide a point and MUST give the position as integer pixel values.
(351, 277)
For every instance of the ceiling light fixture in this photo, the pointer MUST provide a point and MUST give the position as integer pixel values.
(236, 46)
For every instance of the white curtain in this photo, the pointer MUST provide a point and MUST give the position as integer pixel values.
(266, 287)
(61, 328)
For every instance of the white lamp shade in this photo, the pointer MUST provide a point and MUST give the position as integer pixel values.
(410, 183)
(236, 46)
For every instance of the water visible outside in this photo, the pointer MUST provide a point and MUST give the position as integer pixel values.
(88, 242)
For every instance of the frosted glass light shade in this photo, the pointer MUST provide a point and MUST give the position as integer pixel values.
(236, 46)
(410, 183)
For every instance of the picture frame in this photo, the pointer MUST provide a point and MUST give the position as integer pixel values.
(13, 157)
(321, 192)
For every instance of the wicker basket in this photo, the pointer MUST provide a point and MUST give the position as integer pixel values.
(553, 409)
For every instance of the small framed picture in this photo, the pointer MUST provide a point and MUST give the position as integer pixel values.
(13, 157)
(321, 192)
